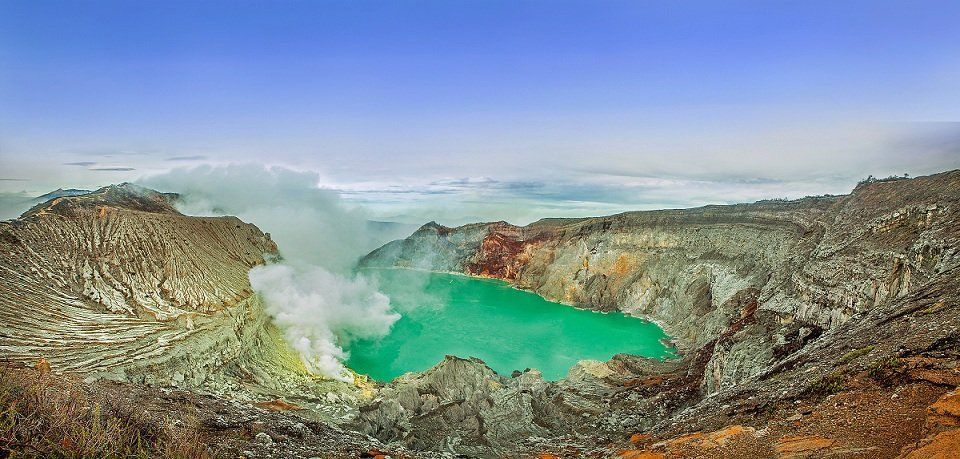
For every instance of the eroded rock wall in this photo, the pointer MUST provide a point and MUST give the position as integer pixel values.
(118, 284)
(740, 288)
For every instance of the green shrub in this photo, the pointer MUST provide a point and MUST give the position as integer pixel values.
(882, 368)
(855, 354)
(830, 384)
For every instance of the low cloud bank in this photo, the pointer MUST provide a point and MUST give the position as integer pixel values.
(14, 204)
(312, 294)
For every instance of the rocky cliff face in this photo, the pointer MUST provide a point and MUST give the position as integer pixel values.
(678, 268)
(820, 327)
(116, 283)
(740, 288)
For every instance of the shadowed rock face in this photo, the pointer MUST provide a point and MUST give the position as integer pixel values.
(741, 289)
(117, 283)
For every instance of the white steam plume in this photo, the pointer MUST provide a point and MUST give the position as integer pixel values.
(312, 295)
(319, 311)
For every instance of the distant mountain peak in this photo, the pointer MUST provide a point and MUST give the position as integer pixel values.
(61, 192)
(125, 195)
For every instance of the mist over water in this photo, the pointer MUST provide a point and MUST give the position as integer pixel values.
(507, 328)
(331, 313)
(312, 293)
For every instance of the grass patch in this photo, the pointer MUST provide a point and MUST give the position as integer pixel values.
(855, 354)
(47, 415)
(832, 383)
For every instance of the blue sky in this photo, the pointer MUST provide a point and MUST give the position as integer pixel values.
(470, 109)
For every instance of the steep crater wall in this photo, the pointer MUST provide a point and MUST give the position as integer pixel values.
(739, 286)
(116, 283)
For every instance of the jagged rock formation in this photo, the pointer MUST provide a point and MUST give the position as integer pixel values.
(462, 406)
(744, 290)
(117, 283)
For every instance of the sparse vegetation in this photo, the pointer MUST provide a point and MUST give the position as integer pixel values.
(48, 415)
(892, 178)
(855, 354)
(796, 200)
(882, 369)
(830, 384)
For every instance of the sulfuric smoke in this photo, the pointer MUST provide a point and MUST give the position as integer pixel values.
(311, 293)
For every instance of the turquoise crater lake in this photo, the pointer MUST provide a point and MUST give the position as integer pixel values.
(507, 328)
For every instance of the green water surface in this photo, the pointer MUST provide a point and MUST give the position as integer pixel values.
(508, 328)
